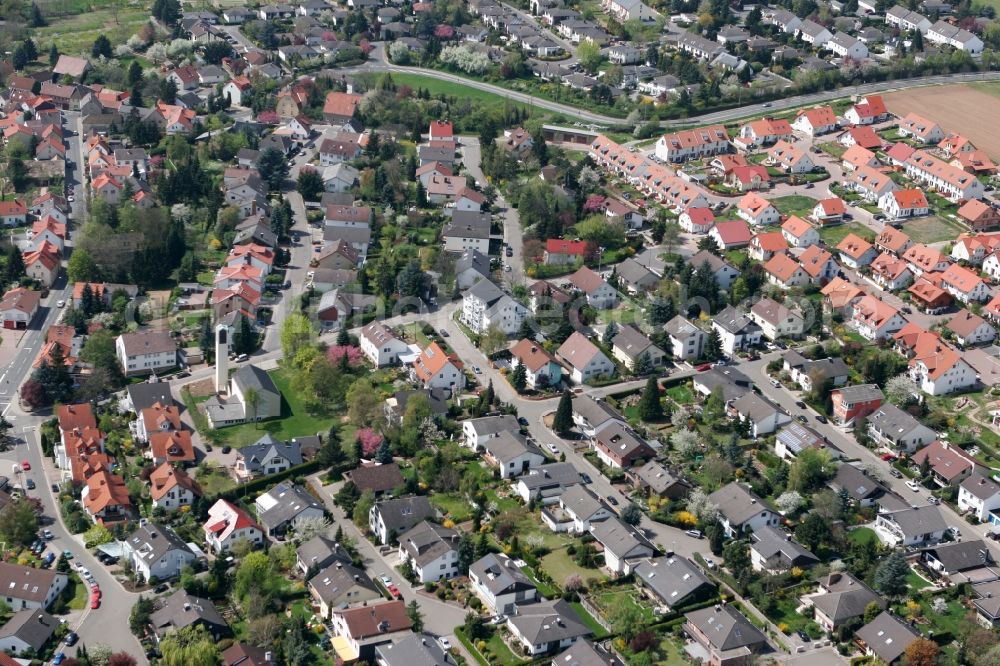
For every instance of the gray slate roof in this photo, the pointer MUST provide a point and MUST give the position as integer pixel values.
(887, 636)
(321, 552)
(402, 513)
(290, 501)
(33, 626)
(726, 628)
(919, 520)
(428, 541)
(585, 653)
(500, 575)
(182, 609)
(671, 579)
(561, 473)
(737, 503)
(548, 621)
(858, 485)
(961, 555)
(768, 542)
(413, 650)
(848, 597)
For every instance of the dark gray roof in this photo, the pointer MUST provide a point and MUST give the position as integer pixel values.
(438, 399)
(491, 425)
(632, 342)
(733, 382)
(893, 421)
(681, 328)
(268, 447)
(321, 552)
(333, 584)
(735, 322)
(847, 597)
(887, 636)
(146, 394)
(548, 621)
(620, 539)
(486, 291)
(726, 628)
(151, 542)
(797, 437)
(915, 521)
(594, 412)
(755, 407)
(857, 483)
(181, 610)
(507, 446)
(737, 503)
(475, 260)
(499, 574)
(980, 486)
(554, 474)
(252, 377)
(289, 501)
(860, 393)
(768, 542)
(671, 579)
(585, 653)
(413, 650)
(659, 479)
(428, 541)
(468, 224)
(402, 513)
(961, 555)
(634, 273)
(33, 626)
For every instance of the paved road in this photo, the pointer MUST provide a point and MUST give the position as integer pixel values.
(440, 618)
(381, 64)
(512, 232)
(757, 371)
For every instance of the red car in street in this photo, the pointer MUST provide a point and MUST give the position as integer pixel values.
(25, 465)
(888, 456)
(703, 367)
(95, 603)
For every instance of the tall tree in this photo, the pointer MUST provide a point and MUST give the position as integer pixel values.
(890, 576)
(562, 422)
(650, 405)
(273, 167)
(37, 20)
(102, 48)
(519, 378)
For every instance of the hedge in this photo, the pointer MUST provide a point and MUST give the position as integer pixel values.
(266, 482)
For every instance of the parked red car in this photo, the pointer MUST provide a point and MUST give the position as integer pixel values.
(888, 456)
(95, 603)
(703, 367)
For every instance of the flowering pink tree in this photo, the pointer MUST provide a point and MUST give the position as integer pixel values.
(354, 356)
(365, 46)
(444, 31)
(267, 117)
(594, 203)
(370, 441)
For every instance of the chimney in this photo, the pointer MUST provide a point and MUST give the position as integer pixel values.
(268, 657)
(187, 606)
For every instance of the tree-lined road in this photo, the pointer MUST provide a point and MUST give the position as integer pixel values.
(382, 64)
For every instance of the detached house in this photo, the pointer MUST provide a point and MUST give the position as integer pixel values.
(431, 550)
(855, 402)
(600, 295)
(541, 369)
(816, 121)
(898, 430)
(757, 210)
(741, 511)
(620, 448)
(584, 359)
(687, 340)
(799, 233)
(434, 369)
(227, 524)
(484, 306)
(501, 585)
(875, 319)
(855, 251)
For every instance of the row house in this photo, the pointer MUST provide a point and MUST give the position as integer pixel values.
(875, 319)
(870, 183)
(688, 144)
(953, 182)
(944, 33)
(920, 129)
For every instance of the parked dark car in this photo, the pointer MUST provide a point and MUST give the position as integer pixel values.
(821, 418)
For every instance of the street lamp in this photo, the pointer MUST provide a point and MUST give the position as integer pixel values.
(600, 255)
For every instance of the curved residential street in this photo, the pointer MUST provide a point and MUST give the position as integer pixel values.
(382, 64)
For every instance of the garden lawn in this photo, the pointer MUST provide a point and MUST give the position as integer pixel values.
(588, 619)
(609, 599)
(452, 89)
(74, 34)
(559, 565)
(784, 613)
(81, 596)
(862, 535)
(832, 235)
(498, 650)
(545, 589)
(295, 420)
(832, 148)
(453, 505)
(915, 581)
(673, 655)
(215, 480)
(794, 204)
(932, 229)
(681, 394)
